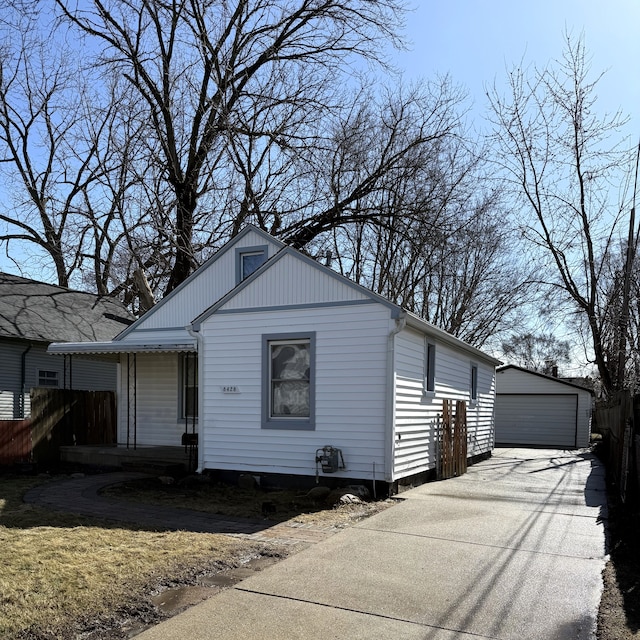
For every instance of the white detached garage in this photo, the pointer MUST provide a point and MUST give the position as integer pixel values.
(533, 409)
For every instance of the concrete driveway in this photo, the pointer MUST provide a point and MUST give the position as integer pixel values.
(512, 550)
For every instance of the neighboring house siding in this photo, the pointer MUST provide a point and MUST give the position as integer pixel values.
(417, 412)
(10, 379)
(85, 374)
(292, 282)
(203, 290)
(350, 368)
(154, 394)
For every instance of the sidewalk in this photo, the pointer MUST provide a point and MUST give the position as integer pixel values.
(512, 550)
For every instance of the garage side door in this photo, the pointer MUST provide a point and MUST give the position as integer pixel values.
(543, 420)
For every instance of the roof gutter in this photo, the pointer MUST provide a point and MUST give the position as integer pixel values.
(416, 322)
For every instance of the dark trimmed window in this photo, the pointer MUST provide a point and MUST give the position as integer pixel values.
(288, 381)
(189, 385)
(430, 367)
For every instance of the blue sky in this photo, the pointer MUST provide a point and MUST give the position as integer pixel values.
(476, 41)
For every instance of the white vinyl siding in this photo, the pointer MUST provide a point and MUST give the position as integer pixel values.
(293, 282)
(417, 413)
(204, 289)
(82, 374)
(350, 366)
(156, 392)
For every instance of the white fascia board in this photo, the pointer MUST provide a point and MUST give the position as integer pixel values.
(427, 328)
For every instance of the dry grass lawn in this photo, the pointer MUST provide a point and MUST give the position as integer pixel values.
(61, 572)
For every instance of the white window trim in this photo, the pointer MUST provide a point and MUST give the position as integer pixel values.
(42, 375)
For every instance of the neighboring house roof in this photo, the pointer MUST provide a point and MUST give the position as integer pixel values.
(544, 375)
(40, 312)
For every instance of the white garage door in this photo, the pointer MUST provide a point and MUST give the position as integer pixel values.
(544, 420)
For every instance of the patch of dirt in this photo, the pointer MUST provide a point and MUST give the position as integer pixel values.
(200, 494)
(619, 614)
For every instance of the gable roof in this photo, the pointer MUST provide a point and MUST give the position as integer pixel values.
(268, 264)
(40, 312)
(203, 267)
(515, 367)
(397, 311)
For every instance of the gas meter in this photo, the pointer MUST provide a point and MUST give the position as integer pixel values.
(330, 458)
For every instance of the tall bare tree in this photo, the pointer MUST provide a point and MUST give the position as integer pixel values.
(196, 64)
(565, 166)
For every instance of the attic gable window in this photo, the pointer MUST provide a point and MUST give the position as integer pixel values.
(248, 259)
(288, 370)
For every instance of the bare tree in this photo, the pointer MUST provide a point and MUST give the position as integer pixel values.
(537, 352)
(196, 64)
(564, 165)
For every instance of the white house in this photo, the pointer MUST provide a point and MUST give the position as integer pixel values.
(270, 357)
(533, 409)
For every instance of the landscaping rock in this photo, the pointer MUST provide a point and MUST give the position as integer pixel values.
(318, 493)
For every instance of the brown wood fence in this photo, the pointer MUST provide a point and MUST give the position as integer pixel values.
(452, 440)
(618, 420)
(59, 417)
(15, 441)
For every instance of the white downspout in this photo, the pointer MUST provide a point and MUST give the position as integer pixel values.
(390, 421)
(200, 352)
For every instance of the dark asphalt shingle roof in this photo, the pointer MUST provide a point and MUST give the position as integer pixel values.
(31, 310)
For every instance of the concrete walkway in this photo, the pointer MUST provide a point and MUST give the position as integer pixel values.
(513, 550)
(80, 495)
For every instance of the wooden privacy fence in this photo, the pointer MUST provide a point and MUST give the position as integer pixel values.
(59, 417)
(452, 440)
(618, 420)
(15, 441)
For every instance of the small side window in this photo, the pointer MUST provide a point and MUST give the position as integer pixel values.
(430, 367)
(474, 382)
(48, 378)
(189, 385)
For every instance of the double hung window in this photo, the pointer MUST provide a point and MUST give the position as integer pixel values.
(48, 378)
